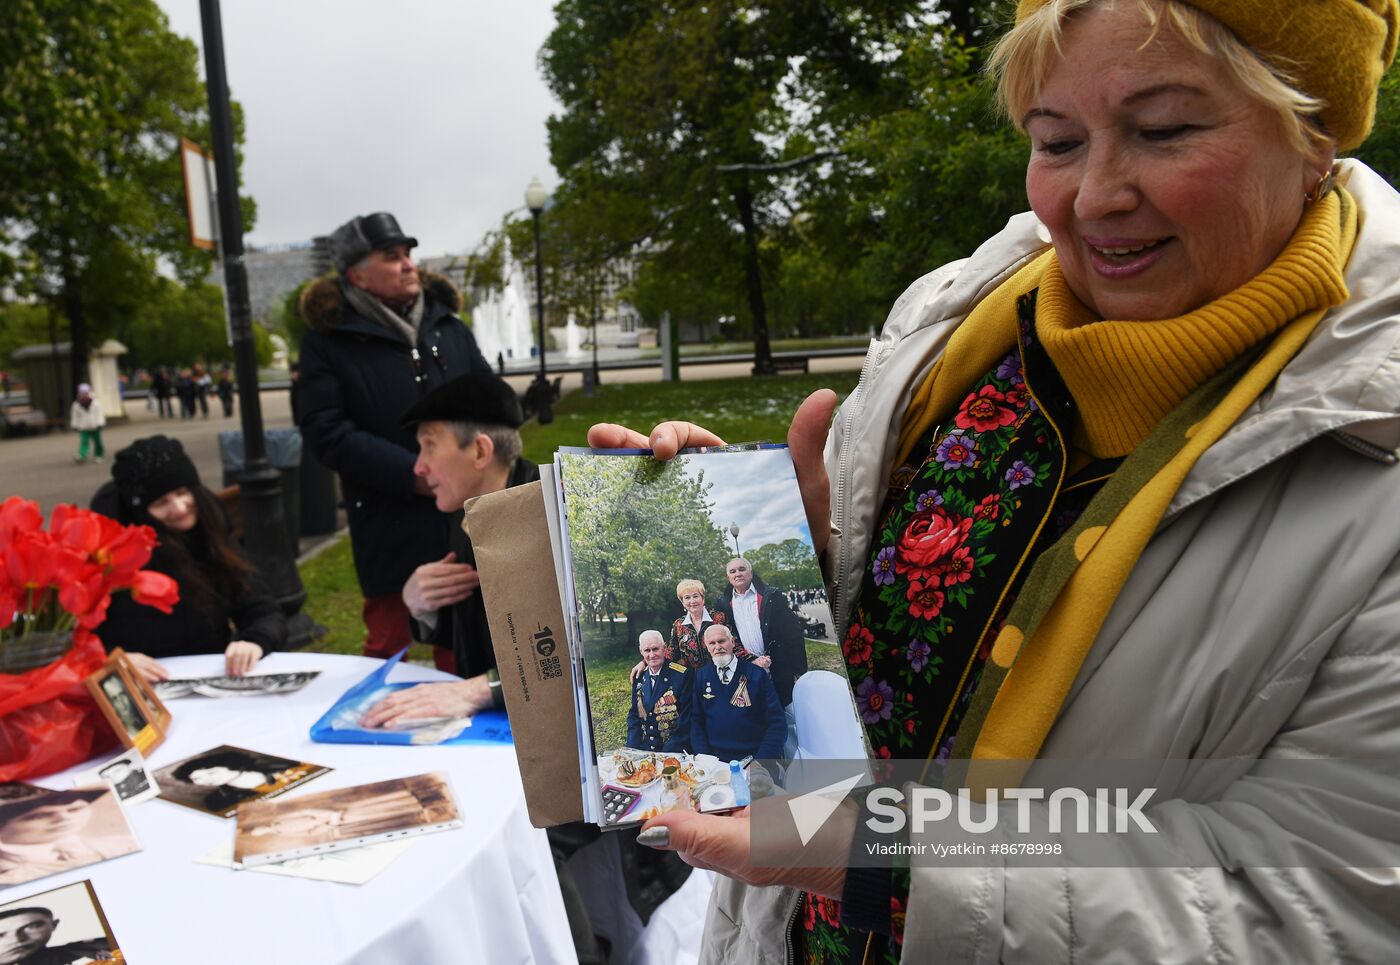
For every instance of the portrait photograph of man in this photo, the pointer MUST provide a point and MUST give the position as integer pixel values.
(43, 832)
(65, 926)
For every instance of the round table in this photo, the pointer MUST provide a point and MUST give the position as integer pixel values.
(486, 892)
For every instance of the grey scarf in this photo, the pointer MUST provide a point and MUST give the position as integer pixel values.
(370, 307)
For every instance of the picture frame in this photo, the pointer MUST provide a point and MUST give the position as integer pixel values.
(158, 711)
(74, 919)
(135, 713)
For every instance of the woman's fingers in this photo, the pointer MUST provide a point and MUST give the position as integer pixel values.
(240, 657)
(665, 440)
(607, 435)
(148, 667)
(807, 443)
(669, 438)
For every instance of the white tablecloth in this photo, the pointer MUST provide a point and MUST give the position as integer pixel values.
(483, 893)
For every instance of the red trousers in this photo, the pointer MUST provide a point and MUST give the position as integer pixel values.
(387, 631)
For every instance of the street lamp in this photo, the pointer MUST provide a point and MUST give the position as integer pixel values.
(734, 531)
(539, 391)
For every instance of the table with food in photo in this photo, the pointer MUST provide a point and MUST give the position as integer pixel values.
(667, 782)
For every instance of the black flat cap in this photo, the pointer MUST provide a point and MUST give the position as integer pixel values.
(355, 239)
(475, 397)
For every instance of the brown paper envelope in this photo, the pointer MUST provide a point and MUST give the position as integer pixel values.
(510, 539)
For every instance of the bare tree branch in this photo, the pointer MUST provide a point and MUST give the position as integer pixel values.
(796, 162)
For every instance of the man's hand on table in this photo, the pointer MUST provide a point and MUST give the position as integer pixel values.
(460, 698)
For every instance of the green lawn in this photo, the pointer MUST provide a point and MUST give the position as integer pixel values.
(739, 410)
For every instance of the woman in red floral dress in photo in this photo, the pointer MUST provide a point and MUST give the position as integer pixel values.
(688, 631)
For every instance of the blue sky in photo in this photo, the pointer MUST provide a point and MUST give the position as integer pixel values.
(757, 490)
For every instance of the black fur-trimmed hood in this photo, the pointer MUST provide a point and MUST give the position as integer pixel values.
(322, 304)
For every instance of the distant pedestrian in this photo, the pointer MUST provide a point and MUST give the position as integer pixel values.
(226, 391)
(162, 389)
(203, 385)
(186, 389)
(87, 417)
(4, 385)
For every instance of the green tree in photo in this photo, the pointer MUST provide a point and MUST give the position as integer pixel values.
(789, 565)
(636, 530)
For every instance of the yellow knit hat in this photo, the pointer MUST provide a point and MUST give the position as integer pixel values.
(1336, 49)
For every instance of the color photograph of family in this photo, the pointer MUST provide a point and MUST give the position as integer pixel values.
(706, 629)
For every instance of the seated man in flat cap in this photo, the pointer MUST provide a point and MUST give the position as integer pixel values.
(380, 335)
(468, 445)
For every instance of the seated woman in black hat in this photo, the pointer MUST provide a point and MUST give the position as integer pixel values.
(223, 608)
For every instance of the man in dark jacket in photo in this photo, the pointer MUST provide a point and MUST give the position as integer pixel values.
(380, 337)
(765, 626)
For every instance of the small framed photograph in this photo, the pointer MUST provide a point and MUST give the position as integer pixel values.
(117, 688)
(158, 713)
(126, 774)
(64, 924)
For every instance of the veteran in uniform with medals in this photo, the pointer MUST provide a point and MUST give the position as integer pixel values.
(737, 712)
(659, 718)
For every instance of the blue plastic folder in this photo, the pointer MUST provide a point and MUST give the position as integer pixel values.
(341, 724)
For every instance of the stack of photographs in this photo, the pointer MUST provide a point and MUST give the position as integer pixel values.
(700, 634)
(251, 685)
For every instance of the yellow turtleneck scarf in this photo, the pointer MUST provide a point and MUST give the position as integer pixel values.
(1125, 376)
(1031, 668)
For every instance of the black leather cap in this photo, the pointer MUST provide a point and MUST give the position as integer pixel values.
(476, 397)
(355, 239)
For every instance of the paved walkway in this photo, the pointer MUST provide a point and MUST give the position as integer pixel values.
(42, 467)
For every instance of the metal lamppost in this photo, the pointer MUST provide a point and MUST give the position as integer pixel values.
(260, 484)
(539, 391)
(734, 531)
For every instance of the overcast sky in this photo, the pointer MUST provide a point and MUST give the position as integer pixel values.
(433, 110)
(757, 490)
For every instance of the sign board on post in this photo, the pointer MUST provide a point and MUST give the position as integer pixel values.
(198, 167)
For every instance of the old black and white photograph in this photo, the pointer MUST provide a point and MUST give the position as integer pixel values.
(127, 774)
(344, 818)
(222, 685)
(64, 926)
(43, 831)
(216, 781)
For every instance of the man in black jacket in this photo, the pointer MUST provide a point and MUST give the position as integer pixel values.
(468, 445)
(766, 626)
(380, 336)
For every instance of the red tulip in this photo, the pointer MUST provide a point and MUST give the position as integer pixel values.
(125, 553)
(31, 560)
(83, 593)
(18, 516)
(155, 589)
(9, 604)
